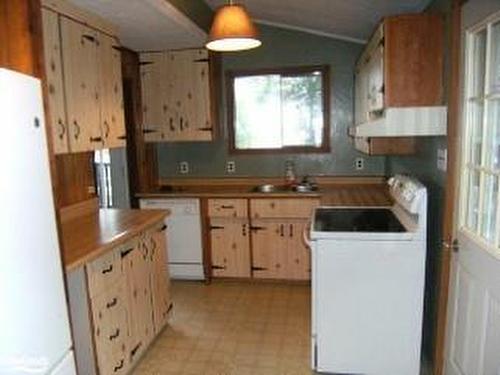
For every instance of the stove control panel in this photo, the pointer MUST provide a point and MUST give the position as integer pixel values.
(407, 191)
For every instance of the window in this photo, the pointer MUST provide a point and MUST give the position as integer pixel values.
(280, 110)
(481, 158)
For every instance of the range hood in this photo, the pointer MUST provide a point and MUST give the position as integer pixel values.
(405, 122)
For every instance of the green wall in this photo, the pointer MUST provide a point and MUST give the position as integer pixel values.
(199, 12)
(283, 48)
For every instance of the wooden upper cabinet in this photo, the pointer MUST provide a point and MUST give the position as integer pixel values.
(111, 93)
(152, 86)
(413, 60)
(176, 96)
(55, 83)
(401, 66)
(84, 82)
(81, 85)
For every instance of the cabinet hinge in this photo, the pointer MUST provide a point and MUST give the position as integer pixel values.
(215, 227)
(259, 269)
(254, 228)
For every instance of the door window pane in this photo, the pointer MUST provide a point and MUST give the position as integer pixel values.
(473, 200)
(493, 135)
(489, 209)
(495, 59)
(477, 68)
(475, 118)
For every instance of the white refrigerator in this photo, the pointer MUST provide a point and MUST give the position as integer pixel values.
(35, 334)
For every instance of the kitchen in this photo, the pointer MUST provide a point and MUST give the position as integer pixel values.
(325, 201)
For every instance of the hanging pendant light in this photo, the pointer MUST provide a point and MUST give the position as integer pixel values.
(232, 30)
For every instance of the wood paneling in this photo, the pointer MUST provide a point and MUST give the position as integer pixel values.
(75, 178)
(413, 60)
(142, 161)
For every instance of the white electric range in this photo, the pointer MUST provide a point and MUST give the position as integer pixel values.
(368, 276)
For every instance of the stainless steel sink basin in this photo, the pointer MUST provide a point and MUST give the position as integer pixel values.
(269, 188)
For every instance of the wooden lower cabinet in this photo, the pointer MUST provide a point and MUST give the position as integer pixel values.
(278, 250)
(230, 245)
(129, 300)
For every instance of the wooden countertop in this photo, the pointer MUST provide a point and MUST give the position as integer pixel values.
(86, 237)
(329, 195)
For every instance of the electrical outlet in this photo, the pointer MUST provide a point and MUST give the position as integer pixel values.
(359, 164)
(230, 167)
(442, 159)
(184, 167)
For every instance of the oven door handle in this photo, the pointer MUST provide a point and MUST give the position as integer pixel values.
(305, 235)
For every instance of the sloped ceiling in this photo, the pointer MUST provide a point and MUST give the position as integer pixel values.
(352, 19)
(145, 25)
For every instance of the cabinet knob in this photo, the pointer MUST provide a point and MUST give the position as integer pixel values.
(77, 129)
(120, 366)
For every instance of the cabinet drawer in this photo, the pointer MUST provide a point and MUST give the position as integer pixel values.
(110, 330)
(103, 272)
(227, 208)
(282, 208)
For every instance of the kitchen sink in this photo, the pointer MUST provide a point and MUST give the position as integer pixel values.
(269, 188)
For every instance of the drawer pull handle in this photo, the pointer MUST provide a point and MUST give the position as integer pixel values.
(113, 302)
(227, 207)
(122, 137)
(119, 367)
(218, 267)
(147, 131)
(115, 335)
(215, 227)
(282, 230)
(95, 139)
(291, 230)
(163, 228)
(124, 253)
(134, 351)
(108, 270)
(259, 269)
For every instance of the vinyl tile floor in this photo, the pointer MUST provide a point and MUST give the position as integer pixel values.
(234, 328)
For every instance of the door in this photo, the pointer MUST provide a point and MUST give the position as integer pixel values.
(473, 332)
(230, 248)
(111, 92)
(79, 44)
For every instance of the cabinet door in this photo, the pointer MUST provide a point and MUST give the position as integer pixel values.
(139, 318)
(298, 255)
(268, 249)
(230, 247)
(152, 76)
(376, 80)
(79, 45)
(198, 85)
(160, 280)
(111, 93)
(55, 83)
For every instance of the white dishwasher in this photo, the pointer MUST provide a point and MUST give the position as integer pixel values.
(184, 239)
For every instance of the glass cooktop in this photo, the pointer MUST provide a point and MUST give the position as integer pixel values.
(356, 220)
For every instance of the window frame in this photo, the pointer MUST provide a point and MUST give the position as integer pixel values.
(485, 98)
(286, 71)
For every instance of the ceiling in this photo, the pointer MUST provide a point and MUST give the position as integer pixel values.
(348, 19)
(145, 25)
